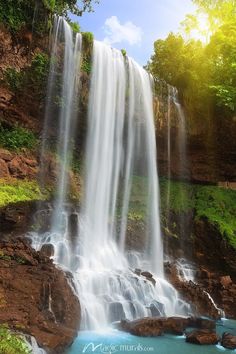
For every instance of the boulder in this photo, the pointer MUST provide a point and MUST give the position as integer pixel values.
(152, 327)
(145, 327)
(228, 341)
(202, 337)
(116, 311)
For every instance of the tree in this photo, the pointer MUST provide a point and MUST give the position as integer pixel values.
(203, 73)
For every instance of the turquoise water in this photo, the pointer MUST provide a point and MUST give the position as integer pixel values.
(113, 341)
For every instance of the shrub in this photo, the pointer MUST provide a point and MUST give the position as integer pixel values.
(39, 67)
(17, 138)
(124, 53)
(13, 78)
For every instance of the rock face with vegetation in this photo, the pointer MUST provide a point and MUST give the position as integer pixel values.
(35, 296)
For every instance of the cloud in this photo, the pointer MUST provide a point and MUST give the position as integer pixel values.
(117, 33)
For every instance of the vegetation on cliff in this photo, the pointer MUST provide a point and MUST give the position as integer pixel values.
(203, 71)
(37, 14)
(216, 204)
(12, 343)
(13, 191)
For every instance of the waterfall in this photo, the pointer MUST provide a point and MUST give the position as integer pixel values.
(62, 97)
(181, 135)
(120, 186)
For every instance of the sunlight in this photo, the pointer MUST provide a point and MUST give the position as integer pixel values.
(202, 31)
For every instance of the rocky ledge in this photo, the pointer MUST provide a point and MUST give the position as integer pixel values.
(156, 326)
(197, 330)
(36, 297)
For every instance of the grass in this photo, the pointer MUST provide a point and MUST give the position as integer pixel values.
(13, 191)
(12, 343)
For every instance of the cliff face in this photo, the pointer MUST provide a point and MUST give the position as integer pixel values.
(35, 296)
(210, 144)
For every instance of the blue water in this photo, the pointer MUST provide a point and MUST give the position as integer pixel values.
(113, 341)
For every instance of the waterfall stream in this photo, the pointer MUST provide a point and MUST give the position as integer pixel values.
(120, 184)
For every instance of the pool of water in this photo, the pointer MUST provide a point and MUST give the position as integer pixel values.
(112, 341)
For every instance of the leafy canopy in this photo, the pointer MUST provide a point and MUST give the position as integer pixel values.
(204, 73)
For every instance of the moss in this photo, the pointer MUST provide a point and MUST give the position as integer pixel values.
(13, 191)
(12, 343)
(217, 205)
(180, 196)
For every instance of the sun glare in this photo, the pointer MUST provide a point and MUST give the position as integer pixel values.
(202, 31)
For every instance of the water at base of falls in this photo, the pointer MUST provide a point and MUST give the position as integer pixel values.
(113, 341)
(120, 183)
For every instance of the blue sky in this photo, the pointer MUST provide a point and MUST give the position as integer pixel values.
(135, 24)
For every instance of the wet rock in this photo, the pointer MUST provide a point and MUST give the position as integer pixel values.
(146, 327)
(4, 172)
(202, 323)
(137, 271)
(152, 327)
(47, 250)
(157, 309)
(17, 217)
(116, 312)
(202, 337)
(36, 297)
(149, 277)
(192, 293)
(228, 341)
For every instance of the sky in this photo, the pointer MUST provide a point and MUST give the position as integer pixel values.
(134, 25)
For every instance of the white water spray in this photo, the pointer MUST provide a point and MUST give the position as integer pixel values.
(120, 161)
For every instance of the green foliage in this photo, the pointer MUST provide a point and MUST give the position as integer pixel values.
(12, 343)
(63, 7)
(13, 78)
(34, 77)
(205, 74)
(17, 138)
(75, 26)
(217, 205)
(124, 53)
(88, 38)
(39, 68)
(86, 65)
(14, 191)
(16, 14)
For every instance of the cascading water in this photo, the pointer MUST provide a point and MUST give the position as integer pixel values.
(63, 84)
(120, 166)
